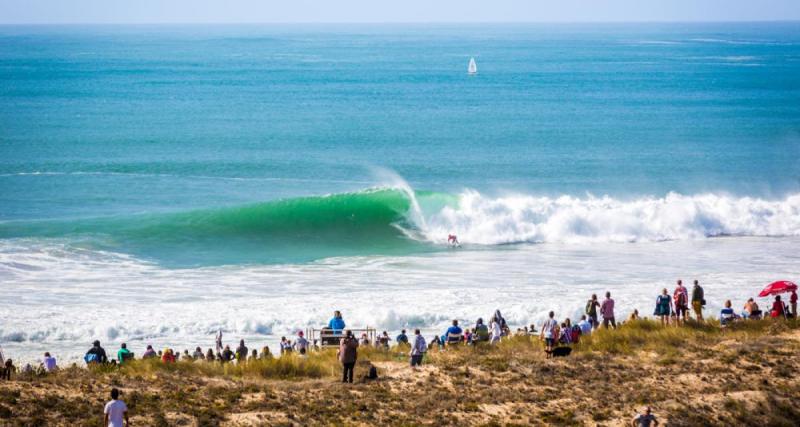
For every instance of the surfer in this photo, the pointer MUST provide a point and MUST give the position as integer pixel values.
(452, 240)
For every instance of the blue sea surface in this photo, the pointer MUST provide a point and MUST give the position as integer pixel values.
(111, 123)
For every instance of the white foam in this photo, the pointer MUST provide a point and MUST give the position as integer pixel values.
(516, 219)
(72, 296)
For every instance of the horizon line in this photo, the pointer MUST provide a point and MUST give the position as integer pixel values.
(119, 23)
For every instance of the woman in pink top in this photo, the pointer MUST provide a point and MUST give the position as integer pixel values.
(607, 311)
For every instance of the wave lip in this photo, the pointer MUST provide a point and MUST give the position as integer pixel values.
(567, 219)
(402, 221)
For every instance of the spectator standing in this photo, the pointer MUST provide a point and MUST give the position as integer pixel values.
(607, 311)
(681, 298)
(645, 419)
(418, 349)
(301, 343)
(115, 411)
(591, 310)
(698, 301)
(348, 354)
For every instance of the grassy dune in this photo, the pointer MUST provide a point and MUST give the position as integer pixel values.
(694, 375)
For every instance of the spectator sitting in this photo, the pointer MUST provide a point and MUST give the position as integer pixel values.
(726, 315)
(265, 353)
(241, 352)
(8, 369)
(585, 325)
(453, 334)
(336, 324)
(383, 340)
(96, 354)
(123, 354)
(778, 308)
(149, 353)
(565, 334)
(168, 356)
(227, 354)
(751, 310)
(402, 338)
(481, 332)
(49, 363)
(286, 346)
(198, 354)
(437, 342)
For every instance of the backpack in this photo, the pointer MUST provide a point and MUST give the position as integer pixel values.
(373, 373)
(588, 307)
(90, 358)
(576, 333)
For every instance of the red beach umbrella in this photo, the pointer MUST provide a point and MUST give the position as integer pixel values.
(779, 287)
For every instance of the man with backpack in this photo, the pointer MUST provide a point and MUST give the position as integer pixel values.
(591, 310)
(96, 354)
(681, 299)
(418, 349)
(348, 354)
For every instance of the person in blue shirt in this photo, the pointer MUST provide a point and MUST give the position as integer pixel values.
(336, 323)
(726, 315)
(402, 338)
(453, 334)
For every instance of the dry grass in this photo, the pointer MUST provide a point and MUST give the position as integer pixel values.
(695, 375)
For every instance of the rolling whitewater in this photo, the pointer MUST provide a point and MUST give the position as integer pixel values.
(160, 183)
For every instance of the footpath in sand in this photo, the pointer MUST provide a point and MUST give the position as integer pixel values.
(697, 375)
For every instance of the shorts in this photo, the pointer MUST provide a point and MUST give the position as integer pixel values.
(697, 306)
(680, 310)
(416, 360)
(549, 342)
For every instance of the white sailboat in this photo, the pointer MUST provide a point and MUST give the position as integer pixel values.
(472, 68)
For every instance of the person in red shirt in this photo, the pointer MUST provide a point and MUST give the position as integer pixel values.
(778, 308)
(793, 302)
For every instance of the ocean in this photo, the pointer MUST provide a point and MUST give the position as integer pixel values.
(160, 183)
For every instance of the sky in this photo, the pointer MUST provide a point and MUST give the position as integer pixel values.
(329, 11)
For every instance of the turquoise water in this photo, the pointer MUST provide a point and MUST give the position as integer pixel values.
(158, 184)
(206, 145)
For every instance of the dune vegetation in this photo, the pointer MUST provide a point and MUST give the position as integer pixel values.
(699, 374)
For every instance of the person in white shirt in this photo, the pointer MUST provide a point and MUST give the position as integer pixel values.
(301, 344)
(497, 331)
(115, 411)
(549, 334)
(49, 362)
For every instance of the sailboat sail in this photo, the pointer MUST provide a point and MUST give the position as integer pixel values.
(473, 68)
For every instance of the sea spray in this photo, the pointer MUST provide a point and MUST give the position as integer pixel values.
(478, 219)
